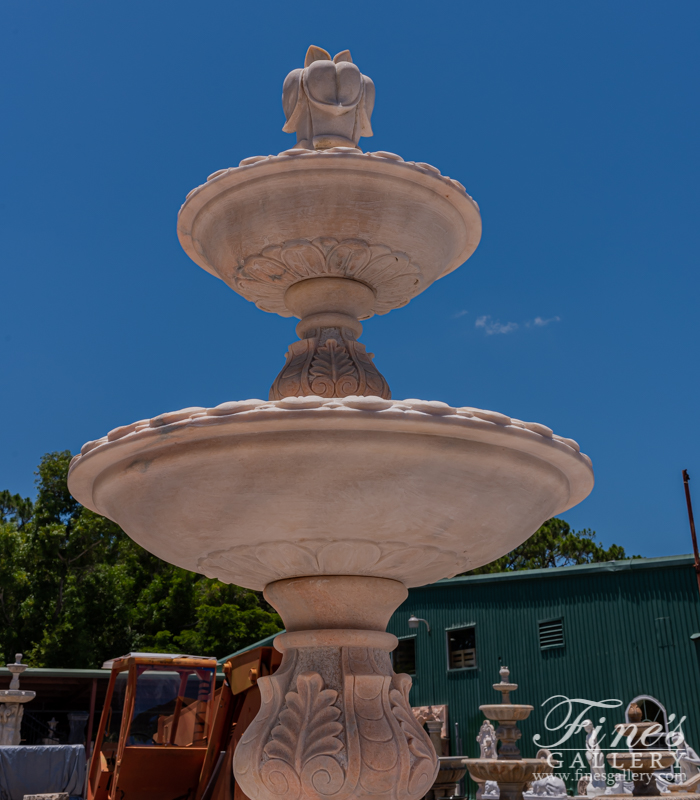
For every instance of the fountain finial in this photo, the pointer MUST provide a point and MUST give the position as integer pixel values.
(505, 687)
(329, 102)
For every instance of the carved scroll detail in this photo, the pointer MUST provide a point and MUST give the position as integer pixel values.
(264, 277)
(317, 743)
(305, 738)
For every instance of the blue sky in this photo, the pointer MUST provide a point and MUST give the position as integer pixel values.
(574, 125)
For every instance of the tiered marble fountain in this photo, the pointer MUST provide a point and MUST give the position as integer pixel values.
(12, 702)
(331, 496)
(642, 760)
(509, 771)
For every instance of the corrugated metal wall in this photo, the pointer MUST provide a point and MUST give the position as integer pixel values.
(627, 631)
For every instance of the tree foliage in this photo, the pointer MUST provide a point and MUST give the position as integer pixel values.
(554, 545)
(75, 590)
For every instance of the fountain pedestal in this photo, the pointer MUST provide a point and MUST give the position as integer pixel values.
(12, 705)
(335, 718)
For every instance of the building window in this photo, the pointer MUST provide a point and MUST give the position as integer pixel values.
(551, 634)
(461, 648)
(404, 657)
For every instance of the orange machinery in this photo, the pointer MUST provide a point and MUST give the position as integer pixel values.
(166, 733)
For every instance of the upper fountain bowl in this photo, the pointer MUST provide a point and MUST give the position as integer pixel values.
(505, 712)
(274, 221)
(254, 492)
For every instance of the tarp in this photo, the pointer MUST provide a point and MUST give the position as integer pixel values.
(41, 769)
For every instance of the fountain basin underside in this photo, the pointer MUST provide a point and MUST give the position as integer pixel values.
(255, 492)
(273, 221)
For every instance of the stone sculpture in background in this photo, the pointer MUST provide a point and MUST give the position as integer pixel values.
(329, 102)
(487, 740)
(550, 786)
(52, 738)
(688, 761)
(596, 760)
(642, 760)
(434, 719)
(11, 705)
(487, 749)
(511, 772)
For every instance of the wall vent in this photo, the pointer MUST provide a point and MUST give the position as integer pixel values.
(551, 634)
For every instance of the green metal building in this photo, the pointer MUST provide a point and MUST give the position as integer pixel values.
(625, 630)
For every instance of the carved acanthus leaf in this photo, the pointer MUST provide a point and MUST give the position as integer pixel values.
(329, 364)
(265, 277)
(332, 372)
(308, 727)
(424, 765)
(407, 721)
(263, 563)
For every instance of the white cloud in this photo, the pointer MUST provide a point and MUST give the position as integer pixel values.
(460, 314)
(538, 322)
(490, 326)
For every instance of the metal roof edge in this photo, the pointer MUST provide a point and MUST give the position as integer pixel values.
(266, 642)
(558, 572)
(58, 672)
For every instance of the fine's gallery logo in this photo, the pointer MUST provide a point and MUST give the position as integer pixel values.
(629, 750)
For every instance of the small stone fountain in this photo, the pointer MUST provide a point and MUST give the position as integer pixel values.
(642, 760)
(11, 705)
(330, 496)
(508, 770)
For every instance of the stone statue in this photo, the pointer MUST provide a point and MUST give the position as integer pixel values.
(52, 738)
(329, 102)
(487, 740)
(550, 786)
(688, 760)
(688, 763)
(10, 720)
(487, 749)
(596, 761)
(489, 791)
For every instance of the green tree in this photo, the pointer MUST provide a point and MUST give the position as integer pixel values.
(554, 545)
(75, 590)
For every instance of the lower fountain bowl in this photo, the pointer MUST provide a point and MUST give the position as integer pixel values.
(502, 770)
(16, 695)
(255, 492)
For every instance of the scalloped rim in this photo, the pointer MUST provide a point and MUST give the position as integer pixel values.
(345, 152)
(317, 413)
